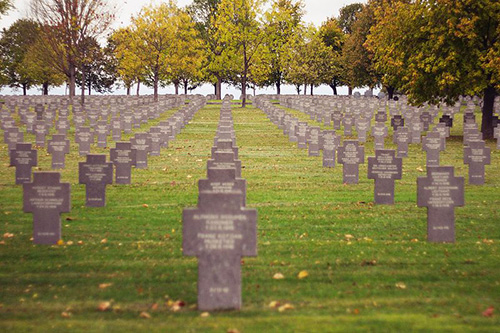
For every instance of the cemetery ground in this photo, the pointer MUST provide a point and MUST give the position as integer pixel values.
(346, 264)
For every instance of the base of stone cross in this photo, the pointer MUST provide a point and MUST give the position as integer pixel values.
(47, 232)
(441, 225)
(95, 195)
(384, 191)
(219, 282)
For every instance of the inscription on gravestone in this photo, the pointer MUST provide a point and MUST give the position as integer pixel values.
(58, 147)
(329, 143)
(440, 192)
(433, 144)
(123, 157)
(385, 168)
(95, 173)
(23, 158)
(46, 198)
(477, 155)
(141, 142)
(350, 155)
(313, 140)
(219, 232)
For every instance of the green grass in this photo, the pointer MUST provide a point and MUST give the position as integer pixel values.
(304, 214)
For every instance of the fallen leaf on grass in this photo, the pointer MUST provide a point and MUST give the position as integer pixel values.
(420, 169)
(487, 241)
(8, 235)
(205, 314)
(104, 241)
(356, 311)
(400, 285)
(349, 237)
(278, 276)
(104, 306)
(488, 312)
(145, 315)
(302, 274)
(145, 205)
(70, 218)
(274, 304)
(154, 307)
(286, 306)
(233, 330)
(60, 242)
(66, 314)
(105, 285)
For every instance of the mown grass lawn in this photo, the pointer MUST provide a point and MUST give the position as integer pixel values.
(385, 278)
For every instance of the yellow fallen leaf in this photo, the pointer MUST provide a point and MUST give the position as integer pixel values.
(420, 169)
(205, 314)
(104, 306)
(286, 306)
(105, 285)
(145, 315)
(232, 330)
(303, 274)
(60, 242)
(69, 243)
(8, 235)
(400, 285)
(145, 205)
(104, 241)
(189, 176)
(274, 304)
(349, 237)
(278, 276)
(66, 314)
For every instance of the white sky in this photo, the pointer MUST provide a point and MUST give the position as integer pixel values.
(316, 12)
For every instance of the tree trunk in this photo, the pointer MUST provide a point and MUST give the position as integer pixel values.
(128, 90)
(350, 91)
(83, 87)
(334, 88)
(312, 87)
(138, 86)
(278, 87)
(45, 88)
(297, 87)
(90, 89)
(72, 80)
(487, 119)
(176, 85)
(390, 92)
(25, 90)
(244, 91)
(218, 87)
(155, 85)
(305, 88)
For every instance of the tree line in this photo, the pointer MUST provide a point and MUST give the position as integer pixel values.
(431, 50)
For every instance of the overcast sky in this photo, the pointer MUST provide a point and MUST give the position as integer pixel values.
(316, 12)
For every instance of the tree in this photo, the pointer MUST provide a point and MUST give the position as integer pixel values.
(5, 6)
(348, 16)
(440, 50)
(98, 67)
(66, 26)
(153, 37)
(359, 70)
(37, 63)
(187, 55)
(240, 29)
(129, 66)
(283, 24)
(204, 13)
(331, 71)
(14, 45)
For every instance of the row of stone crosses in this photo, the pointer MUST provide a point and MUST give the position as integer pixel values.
(440, 191)
(220, 230)
(46, 197)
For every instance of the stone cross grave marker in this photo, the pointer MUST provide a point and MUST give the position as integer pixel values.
(379, 132)
(313, 133)
(362, 126)
(381, 117)
(225, 145)
(141, 142)
(40, 129)
(350, 155)
(496, 134)
(219, 232)
(329, 142)
(447, 120)
(477, 155)
(23, 157)
(58, 147)
(116, 129)
(385, 168)
(225, 159)
(123, 157)
(440, 192)
(433, 144)
(301, 132)
(416, 128)
(12, 136)
(84, 137)
(46, 197)
(337, 119)
(426, 119)
(442, 129)
(223, 180)
(95, 173)
(397, 121)
(156, 141)
(402, 139)
(102, 131)
(348, 122)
